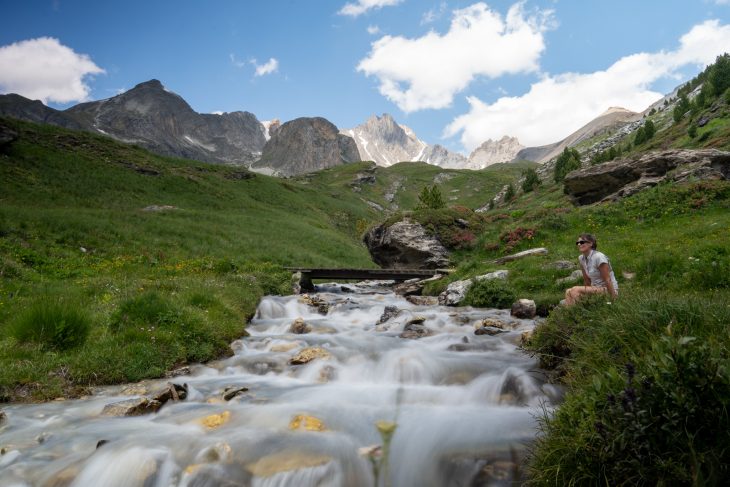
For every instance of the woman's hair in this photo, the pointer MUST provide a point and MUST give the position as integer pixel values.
(590, 238)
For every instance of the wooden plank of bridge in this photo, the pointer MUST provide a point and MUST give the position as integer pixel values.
(310, 273)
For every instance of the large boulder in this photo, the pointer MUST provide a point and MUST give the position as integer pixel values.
(405, 245)
(624, 177)
(456, 291)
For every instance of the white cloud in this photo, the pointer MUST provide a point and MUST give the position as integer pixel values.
(362, 6)
(557, 105)
(271, 66)
(44, 69)
(428, 71)
(722, 2)
(373, 30)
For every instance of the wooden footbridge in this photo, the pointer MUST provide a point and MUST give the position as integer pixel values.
(309, 273)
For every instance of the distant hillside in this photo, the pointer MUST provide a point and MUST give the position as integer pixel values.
(609, 120)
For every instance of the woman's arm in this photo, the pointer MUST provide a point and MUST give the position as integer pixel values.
(606, 276)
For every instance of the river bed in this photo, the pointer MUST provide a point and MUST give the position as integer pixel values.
(460, 407)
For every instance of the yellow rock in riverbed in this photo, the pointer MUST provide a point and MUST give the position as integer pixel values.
(215, 420)
(309, 423)
(286, 461)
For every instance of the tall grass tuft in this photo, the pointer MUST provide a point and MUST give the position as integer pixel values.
(149, 308)
(53, 323)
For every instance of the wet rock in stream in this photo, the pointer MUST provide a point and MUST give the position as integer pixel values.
(231, 392)
(300, 327)
(309, 354)
(415, 329)
(146, 405)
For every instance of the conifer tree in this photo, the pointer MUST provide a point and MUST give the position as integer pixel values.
(510, 194)
(532, 180)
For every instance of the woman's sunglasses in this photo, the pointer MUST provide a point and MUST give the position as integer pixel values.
(581, 242)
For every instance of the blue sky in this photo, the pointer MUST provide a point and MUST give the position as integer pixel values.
(456, 72)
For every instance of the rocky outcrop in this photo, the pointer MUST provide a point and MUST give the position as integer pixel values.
(624, 177)
(7, 135)
(306, 145)
(405, 245)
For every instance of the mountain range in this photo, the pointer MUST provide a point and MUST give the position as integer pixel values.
(153, 117)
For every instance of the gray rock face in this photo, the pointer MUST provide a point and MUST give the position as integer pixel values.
(306, 145)
(624, 177)
(405, 245)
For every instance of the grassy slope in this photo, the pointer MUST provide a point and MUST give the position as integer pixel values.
(73, 228)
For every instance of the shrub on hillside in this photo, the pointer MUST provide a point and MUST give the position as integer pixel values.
(53, 323)
(513, 238)
(493, 293)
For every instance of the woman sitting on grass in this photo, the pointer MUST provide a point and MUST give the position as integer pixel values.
(597, 272)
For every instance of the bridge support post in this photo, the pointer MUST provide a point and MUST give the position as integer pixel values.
(305, 282)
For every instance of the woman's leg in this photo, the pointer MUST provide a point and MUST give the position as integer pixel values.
(573, 294)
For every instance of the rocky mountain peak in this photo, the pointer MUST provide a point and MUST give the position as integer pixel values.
(305, 145)
(494, 151)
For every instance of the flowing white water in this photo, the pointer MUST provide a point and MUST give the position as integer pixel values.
(464, 406)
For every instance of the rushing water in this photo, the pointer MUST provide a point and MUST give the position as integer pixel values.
(464, 406)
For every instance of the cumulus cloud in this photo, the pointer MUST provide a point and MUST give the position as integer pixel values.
(557, 105)
(373, 30)
(270, 66)
(44, 69)
(362, 6)
(428, 71)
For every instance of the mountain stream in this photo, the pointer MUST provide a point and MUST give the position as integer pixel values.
(374, 386)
